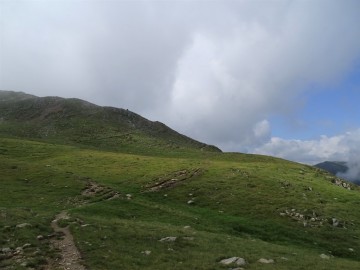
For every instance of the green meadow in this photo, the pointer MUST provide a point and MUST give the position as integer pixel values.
(217, 205)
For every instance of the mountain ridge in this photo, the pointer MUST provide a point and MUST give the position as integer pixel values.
(78, 121)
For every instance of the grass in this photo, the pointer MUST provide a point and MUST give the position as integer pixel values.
(237, 202)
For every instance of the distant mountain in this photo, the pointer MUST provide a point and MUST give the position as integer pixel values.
(75, 121)
(333, 167)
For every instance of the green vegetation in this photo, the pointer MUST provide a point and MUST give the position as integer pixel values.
(237, 201)
(122, 201)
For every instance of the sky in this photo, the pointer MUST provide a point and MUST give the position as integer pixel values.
(279, 78)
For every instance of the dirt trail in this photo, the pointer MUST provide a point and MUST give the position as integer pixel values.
(70, 255)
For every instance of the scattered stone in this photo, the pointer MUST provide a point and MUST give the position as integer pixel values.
(351, 249)
(6, 250)
(187, 227)
(168, 239)
(237, 260)
(267, 261)
(284, 258)
(128, 196)
(323, 256)
(26, 245)
(229, 260)
(335, 222)
(190, 202)
(23, 225)
(146, 252)
(24, 264)
(240, 262)
(341, 183)
(40, 237)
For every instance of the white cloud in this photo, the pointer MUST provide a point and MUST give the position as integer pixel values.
(344, 147)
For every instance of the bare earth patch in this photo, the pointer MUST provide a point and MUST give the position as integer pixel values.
(70, 255)
(173, 179)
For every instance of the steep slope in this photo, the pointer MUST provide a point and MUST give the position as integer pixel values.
(76, 121)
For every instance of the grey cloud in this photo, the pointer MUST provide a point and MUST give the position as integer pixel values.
(213, 70)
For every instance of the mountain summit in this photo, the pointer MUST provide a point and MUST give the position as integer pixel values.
(75, 121)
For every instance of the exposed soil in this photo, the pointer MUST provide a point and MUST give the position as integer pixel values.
(70, 256)
(173, 179)
(93, 189)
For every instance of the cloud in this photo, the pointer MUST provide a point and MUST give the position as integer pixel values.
(344, 147)
(215, 71)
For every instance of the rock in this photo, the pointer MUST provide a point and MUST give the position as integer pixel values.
(168, 239)
(129, 196)
(229, 260)
(323, 256)
(26, 245)
(237, 260)
(6, 250)
(240, 262)
(40, 237)
(267, 261)
(190, 202)
(351, 249)
(187, 227)
(23, 225)
(146, 252)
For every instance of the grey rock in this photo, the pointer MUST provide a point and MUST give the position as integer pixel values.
(146, 252)
(266, 261)
(23, 225)
(240, 262)
(168, 239)
(323, 256)
(229, 260)
(236, 260)
(26, 245)
(6, 250)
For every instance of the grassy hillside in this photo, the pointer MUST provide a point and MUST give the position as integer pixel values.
(217, 206)
(142, 196)
(77, 122)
